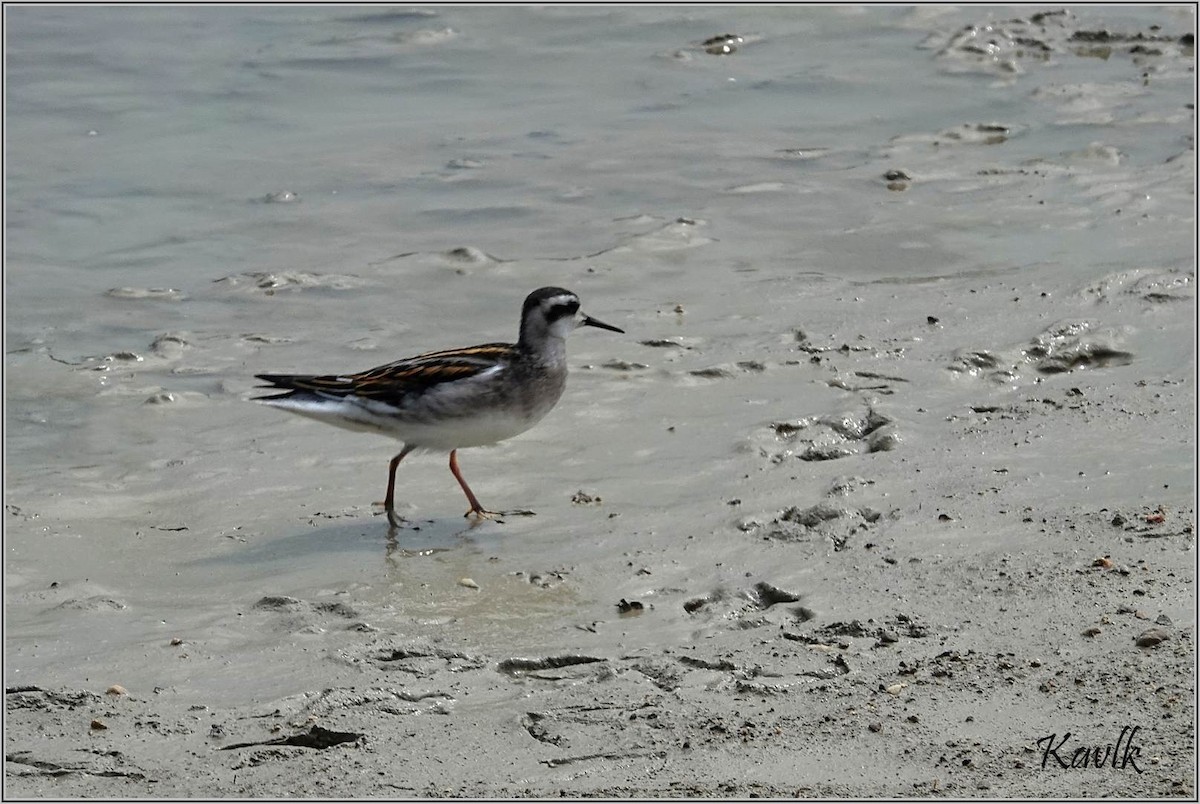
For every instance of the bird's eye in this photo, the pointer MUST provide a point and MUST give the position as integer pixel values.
(564, 309)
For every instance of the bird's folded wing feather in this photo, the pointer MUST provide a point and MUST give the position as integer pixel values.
(402, 376)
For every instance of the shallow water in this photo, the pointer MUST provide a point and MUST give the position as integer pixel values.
(284, 189)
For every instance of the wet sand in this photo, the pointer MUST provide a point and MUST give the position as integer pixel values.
(881, 505)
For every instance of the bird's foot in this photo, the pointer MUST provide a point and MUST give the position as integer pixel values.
(394, 519)
(479, 514)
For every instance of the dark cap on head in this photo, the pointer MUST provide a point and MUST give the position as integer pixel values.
(562, 304)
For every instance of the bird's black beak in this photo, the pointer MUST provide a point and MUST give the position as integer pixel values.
(588, 321)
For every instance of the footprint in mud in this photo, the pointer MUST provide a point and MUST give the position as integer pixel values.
(738, 607)
(1066, 346)
(270, 282)
(1151, 285)
(301, 616)
(822, 521)
(826, 438)
(1007, 47)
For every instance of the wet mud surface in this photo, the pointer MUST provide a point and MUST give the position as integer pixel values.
(858, 517)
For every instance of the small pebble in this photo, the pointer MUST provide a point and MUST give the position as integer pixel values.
(722, 45)
(116, 689)
(695, 604)
(281, 197)
(1152, 637)
(467, 582)
(629, 607)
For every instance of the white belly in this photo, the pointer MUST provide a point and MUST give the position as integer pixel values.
(477, 430)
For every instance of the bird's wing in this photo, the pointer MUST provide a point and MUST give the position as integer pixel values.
(412, 374)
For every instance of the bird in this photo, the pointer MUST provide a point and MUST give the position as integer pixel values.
(450, 399)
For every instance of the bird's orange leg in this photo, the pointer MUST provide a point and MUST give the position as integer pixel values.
(388, 505)
(476, 509)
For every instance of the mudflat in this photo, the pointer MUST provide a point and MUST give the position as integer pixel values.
(888, 491)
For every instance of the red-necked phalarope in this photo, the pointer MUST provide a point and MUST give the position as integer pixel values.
(451, 399)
